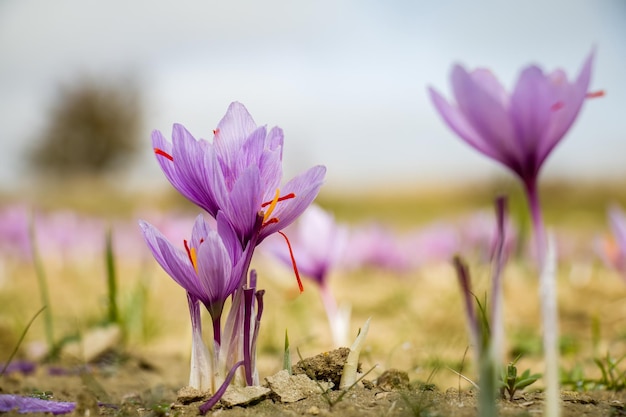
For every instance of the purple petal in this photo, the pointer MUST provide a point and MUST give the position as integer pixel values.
(214, 273)
(191, 167)
(274, 140)
(531, 111)
(174, 261)
(305, 186)
(24, 405)
(486, 114)
(459, 124)
(245, 201)
(232, 131)
(229, 236)
(572, 97)
(23, 367)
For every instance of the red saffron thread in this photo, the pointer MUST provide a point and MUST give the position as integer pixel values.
(595, 94)
(163, 153)
(283, 198)
(188, 251)
(293, 262)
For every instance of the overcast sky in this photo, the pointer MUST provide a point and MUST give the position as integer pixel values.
(345, 79)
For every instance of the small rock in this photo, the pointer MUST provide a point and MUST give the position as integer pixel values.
(243, 395)
(327, 366)
(292, 388)
(393, 379)
(188, 395)
(313, 411)
(94, 343)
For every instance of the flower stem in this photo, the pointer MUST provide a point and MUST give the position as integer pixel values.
(43, 288)
(548, 299)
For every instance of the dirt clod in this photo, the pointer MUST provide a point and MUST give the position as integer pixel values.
(393, 379)
(327, 366)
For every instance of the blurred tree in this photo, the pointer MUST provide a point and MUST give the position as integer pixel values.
(93, 128)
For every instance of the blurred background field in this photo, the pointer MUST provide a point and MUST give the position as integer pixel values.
(417, 318)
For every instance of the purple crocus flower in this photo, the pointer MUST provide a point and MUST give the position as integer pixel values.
(319, 244)
(239, 174)
(210, 268)
(24, 405)
(519, 130)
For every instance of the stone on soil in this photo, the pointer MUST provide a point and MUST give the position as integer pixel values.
(292, 388)
(243, 395)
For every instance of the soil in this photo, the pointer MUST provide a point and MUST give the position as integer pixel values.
(137, 387)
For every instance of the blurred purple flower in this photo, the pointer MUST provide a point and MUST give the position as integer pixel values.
(375, 245)
(519, 129)
(22, 405)
(319, 244)
(20, 366)
(613, 250)
(239, 174)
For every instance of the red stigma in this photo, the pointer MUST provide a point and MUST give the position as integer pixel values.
(161, 152)
(216, 131)
(270, 221)
(283, 198)
(592, 94)
(595, 94)
(188, 251)
(293, 261)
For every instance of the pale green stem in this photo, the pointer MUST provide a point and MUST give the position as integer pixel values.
(548, 299)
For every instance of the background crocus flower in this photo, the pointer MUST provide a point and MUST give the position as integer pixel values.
(613, 250)
(239, 174)
(520, 130)
(319, 243)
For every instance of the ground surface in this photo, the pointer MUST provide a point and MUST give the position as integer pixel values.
(137, 388)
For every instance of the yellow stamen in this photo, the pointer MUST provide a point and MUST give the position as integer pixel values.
(194, 258)
(270, 209)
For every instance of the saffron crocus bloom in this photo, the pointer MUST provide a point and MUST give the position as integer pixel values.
(520, 130)
(319, 244)
(239, 174)
(210, 268)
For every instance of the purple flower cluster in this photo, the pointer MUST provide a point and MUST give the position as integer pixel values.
(236, 179)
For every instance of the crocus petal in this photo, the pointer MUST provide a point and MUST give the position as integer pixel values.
(214, 273)
(275, 139)
(174, 261)
(200, 230)
(531, 113)
(190, 161)
(572, 96)
(232, 131)
(245, 202)
(24, 405)
(459, 124)
(486, 115)
(305, 186)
